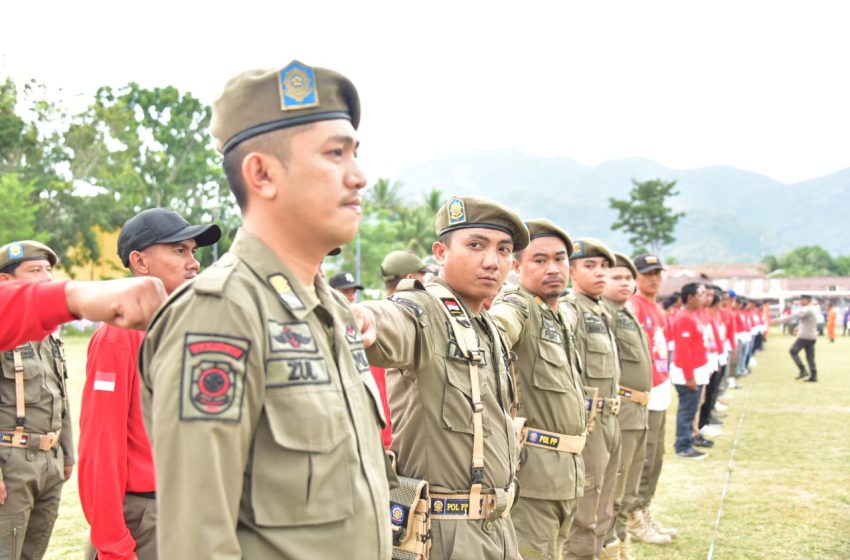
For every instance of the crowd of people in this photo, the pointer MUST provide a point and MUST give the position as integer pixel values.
(507, 402)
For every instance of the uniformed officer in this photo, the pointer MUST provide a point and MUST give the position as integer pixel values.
(552, 398)
(451, 400)
(589, 267)
(36, 442)
(635, 383)
(400, 265)
(264, 418)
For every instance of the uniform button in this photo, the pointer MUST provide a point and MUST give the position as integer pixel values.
(489, 527)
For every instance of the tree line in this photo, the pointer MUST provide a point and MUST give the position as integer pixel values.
(64, 177)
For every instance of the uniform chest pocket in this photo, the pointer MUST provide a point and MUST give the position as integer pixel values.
(304, 458)
(32, 377)
(457, 397)
(600, 357)
(630, 350)
(550, 370)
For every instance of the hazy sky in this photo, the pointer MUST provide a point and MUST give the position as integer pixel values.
(759, 85)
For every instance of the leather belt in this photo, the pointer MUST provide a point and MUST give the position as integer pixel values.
(553, 440)
(638, 397)
(457, 506)
(46, 441)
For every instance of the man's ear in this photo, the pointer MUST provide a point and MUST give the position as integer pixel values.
(259, 172)
(138, 263)
(439, 249)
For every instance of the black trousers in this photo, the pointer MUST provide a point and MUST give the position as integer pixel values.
(711, 392)
(809, 347)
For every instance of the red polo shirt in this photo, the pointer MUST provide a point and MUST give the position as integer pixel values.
(115, 452)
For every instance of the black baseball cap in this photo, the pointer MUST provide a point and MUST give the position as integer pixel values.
(158, 225)
(344, 281)
(648, 263)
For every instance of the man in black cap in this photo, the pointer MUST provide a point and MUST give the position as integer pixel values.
(346, 284)
(159, 242)
(116, 474)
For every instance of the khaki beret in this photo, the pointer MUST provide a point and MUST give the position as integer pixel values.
(19, 251)
(260, 101)
(589, 247)
(473, 212)
(542, 227)
(398, 264)
(624, 261)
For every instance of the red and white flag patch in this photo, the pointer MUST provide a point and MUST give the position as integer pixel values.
(104, 381)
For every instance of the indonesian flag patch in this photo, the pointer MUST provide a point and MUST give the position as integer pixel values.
(104, 381)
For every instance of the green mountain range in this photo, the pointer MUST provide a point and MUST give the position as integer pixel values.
(733, 215)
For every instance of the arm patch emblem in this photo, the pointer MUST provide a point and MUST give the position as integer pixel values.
(212, 380)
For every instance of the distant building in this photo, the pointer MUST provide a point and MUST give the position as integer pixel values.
(753, 281)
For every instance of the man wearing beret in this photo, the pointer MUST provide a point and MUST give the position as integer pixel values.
(36, 442)
(401, 265)
(116, 472)
(591, 322)
(635, 383)
(552, 472)
(452, 397)
(263, 417)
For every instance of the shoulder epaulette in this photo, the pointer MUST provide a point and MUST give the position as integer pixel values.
(410, 284)
(214, 279)
(515, 298)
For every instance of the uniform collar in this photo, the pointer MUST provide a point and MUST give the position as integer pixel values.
(466, 308)
(270, 269)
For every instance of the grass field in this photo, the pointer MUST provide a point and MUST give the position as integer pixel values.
(789, 491)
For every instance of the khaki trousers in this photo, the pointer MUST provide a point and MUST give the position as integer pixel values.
(543, 526)
(628, 479)
(596, 508)
(140, 517)
(654, 459)
(34, 481)
(474, 540)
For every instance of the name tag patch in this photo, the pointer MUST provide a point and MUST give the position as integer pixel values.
(360, 360)
(292, 372)
(550, 331)
(291, 337)
(594, 324)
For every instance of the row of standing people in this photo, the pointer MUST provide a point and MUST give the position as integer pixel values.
(253, 382)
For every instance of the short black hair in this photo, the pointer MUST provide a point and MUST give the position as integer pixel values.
(688, 290)
(10, 269)
(275, 143)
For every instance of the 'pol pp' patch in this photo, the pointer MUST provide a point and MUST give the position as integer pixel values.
(297, 87)
(212, 384)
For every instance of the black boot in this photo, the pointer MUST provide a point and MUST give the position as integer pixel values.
(803, 374)
(813, 377)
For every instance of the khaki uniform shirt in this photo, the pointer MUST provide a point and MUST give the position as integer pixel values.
(597, 348)
(635, 364)
(45, 400)
(430, 397)
(264, 418)
(550, 389)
